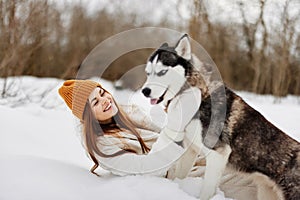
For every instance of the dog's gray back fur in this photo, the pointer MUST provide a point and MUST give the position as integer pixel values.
(257, 145)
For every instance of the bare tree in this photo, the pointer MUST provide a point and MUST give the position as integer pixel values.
(39, 38)
(282, 74)
(257, 57)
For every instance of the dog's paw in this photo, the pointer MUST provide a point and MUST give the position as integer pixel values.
(205, 196)
(207, 192)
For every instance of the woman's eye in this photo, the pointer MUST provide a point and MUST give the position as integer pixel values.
(96, 102)
(101, 92)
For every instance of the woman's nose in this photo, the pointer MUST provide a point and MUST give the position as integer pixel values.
(103, 100)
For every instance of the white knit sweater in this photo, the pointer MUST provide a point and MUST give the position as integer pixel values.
(131, 163)
(164, 152)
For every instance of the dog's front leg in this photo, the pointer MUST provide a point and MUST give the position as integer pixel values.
(216, 162)
(184, 165)
(192, 144)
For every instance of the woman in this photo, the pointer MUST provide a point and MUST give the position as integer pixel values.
(111, 138)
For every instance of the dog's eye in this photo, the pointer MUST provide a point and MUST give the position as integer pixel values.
(162, 72)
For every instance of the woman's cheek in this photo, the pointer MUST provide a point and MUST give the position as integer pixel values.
(98, 112)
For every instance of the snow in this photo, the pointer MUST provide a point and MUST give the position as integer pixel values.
(42, 157)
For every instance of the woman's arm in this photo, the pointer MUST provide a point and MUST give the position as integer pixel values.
(156, 163)
(139, 117)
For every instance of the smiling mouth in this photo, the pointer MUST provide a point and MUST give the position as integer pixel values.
(160, 99)
(107, 107)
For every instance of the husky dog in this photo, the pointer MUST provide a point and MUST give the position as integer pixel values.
(246, 141)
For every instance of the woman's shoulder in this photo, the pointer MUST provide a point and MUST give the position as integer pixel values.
(109, 144)
(123, 135)
(147, 134)
(108, 139)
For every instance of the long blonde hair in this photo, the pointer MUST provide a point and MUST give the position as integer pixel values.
(92, 129)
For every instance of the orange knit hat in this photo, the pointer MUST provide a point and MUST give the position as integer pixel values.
(75, 93)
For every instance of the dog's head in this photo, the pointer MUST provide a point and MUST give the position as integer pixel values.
(166, 71)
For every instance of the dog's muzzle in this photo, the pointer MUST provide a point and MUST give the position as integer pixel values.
(147, 91)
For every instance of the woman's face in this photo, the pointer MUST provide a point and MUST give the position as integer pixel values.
(103, 105)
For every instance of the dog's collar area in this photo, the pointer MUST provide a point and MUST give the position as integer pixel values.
(183, 88)
(161, 98)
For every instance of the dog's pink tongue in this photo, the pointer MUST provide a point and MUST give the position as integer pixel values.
(153, 101)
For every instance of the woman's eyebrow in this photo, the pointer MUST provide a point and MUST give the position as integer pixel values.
(93, 99)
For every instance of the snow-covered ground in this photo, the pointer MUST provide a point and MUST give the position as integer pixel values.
(41, 156)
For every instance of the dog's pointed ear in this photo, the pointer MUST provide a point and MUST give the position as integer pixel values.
(164, 45)
(183, 47)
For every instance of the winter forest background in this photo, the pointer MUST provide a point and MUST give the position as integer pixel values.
(255, 44)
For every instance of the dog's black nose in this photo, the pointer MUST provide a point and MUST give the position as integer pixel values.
(146, 91)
